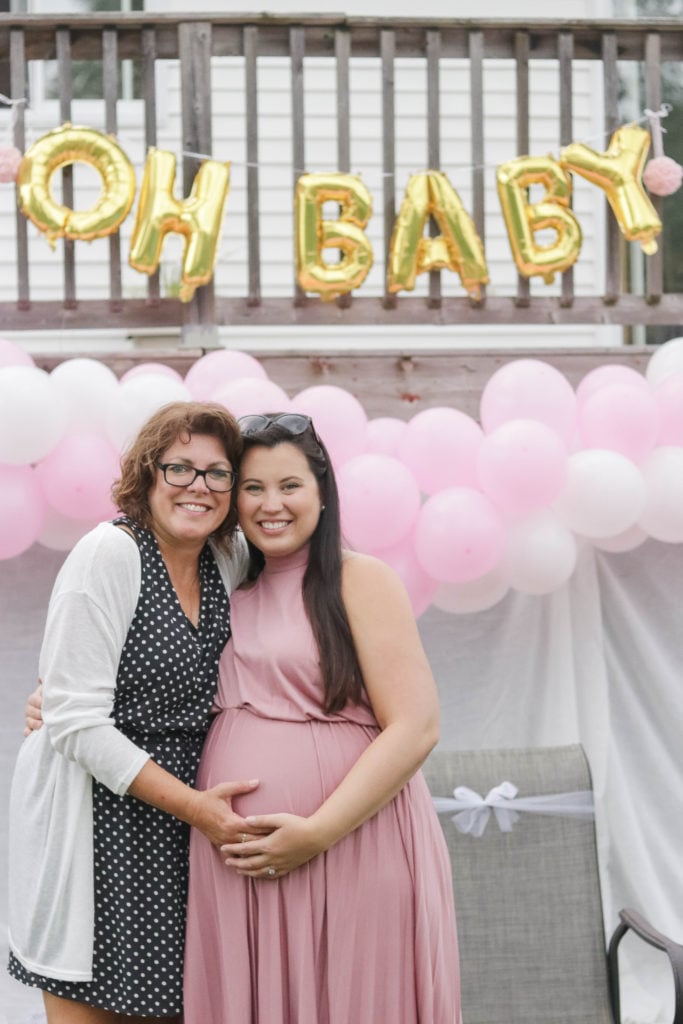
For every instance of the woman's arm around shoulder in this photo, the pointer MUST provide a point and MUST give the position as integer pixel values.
(232, 567)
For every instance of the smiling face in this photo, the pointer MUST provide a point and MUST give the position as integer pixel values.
(278, 499)
(184, 517)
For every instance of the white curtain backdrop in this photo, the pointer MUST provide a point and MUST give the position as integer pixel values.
(598, 662)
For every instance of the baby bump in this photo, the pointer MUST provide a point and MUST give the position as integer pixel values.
(297, 763)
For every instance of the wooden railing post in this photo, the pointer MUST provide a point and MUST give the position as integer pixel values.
(194, 45)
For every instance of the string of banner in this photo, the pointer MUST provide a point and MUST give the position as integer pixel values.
(620, 171)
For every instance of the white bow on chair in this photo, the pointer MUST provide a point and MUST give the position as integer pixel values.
(473, 811)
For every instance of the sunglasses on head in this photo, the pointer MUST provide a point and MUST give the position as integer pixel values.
(294, 423)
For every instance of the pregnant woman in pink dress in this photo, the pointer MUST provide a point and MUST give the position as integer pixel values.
(337, 908)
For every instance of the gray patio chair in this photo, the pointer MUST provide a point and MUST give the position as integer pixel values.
(528, 900)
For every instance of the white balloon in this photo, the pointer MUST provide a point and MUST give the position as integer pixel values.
(135, 401)
(662, 516)
(88, 387)
(59, 532)
(32, 414)
(473, 595)
(665, 360)
(604, 493)
(540, 555)
(629, 540)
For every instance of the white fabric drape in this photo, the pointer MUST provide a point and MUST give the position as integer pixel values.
(598, 662)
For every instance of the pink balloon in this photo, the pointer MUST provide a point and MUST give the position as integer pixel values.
(339, 419)
(669, 401)
(384, 434)
(620, 418)
(522, 466)
(419, 584)
(379, 501)
(440, 447)
(13, 355)
(606, 375)
(529, 389)
(251, 395)
(459, 535)
(22, 509)
(77, 476)
(216, 369)
(160, 369)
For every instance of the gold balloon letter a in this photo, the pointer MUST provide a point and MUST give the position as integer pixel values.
(457, 248)
(523, 219)
(198, 218)
(313, 234)
(618, 172)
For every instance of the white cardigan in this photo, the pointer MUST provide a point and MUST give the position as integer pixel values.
(51, 913)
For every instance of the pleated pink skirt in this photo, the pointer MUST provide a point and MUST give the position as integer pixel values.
(362, 934)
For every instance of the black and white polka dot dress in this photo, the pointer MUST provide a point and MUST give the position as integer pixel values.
(165, 687)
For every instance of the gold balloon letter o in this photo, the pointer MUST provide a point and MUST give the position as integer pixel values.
(67, 145)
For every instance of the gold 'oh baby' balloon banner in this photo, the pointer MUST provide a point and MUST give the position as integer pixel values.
(458, 247)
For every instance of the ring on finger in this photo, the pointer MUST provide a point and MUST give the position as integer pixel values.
(244, 837)
(272, 872)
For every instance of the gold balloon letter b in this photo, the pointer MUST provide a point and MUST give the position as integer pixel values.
(198, 218)
(313, 234)
(523, 219)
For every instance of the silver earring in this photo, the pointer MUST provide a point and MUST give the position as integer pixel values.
(322, 508)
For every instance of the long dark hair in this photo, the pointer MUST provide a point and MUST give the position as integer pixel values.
(340, 669)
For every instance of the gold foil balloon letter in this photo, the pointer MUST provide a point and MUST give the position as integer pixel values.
(198, 218)
(314, 234)
(457, 248)
(619, 172)
(68, 145)
(524, 219)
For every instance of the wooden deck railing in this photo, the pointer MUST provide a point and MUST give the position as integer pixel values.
(196, 43)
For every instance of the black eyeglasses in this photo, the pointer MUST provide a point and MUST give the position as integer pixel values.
(294, 423)
(177, 474)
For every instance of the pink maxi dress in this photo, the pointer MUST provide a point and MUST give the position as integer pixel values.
(362, 934)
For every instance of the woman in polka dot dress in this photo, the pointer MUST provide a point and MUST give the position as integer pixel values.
(102, 796)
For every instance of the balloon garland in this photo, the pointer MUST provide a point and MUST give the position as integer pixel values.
(464, 511)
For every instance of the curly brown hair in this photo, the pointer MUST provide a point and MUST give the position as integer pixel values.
(177, 420)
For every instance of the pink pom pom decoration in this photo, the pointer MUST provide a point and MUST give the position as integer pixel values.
(10, 159)
(662, 176)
